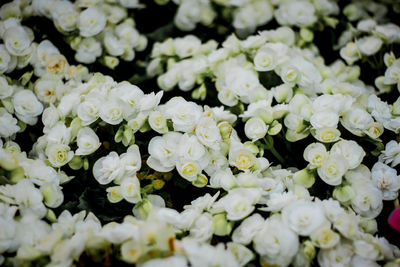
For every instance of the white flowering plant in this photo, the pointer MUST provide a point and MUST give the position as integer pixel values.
(199, 133)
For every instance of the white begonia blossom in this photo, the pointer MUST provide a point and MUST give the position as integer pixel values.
(391, 154)
(340, 255)
(369, 45)
(87, 141)
(130, 189)
(6, 90)
(255, 128)
(163, 152)
(386, 180)
(89, 110)
(59, 134)
(239, 202)
(17, 41)
(350, 53)
(208, 133)
(108, 168)
(91, 21)
(88, 50)
(276, 242)
(158, 122)
(356, 120)
(5, 59)
(325, 238)
(299, 13)
(367, 201)
(52, 195)
(131, 160)
(8, 124)
(184, 114)
(324, 119)
(315, 154)
(265, 60)
(223, 179)
(202, 228)
(304, 217)
(26, 106)
(350, 150)
(332, 170)
(58, 154)
(248, 229)
(111, 112)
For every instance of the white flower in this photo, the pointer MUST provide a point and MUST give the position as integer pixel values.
(68, 103)
(239, 202)
(324, 119)
(356, 120)
(17, 41)
(87, 141)
(184, 115)
(350, 150)
(26, 106)
(188, 169)
(59, 134)
(276, 242)
(50, 117)
(332, 170)
(131, 160)
(299, 13)
(150, 101)
(208, 133)
(304, 217)
(325, 238)
(227, 97)
(186, 46)
(6, 90)
(339, 255)
(369, 45)
(202, 228)
(88, 50)
(386, 179)
(367, 201)
(255, 128)
(241, 158)
(264, 60)
(130, 189)
(52, 195)
(59, 154)
(158, 122)
(391, 154)
(248, 229)
(5, 59)
(89, 110)
(315, 154)
(8, 124)
(111, 112)
(223, 179)
(108, 168)
(163, 152)
(350, 53)
(91, 21)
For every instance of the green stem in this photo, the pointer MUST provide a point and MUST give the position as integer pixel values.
(277, 155)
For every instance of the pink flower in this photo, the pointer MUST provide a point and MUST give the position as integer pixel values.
(394, 219)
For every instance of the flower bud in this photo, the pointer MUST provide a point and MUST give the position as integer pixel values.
(304, 177)
(76, 163)
(343, 193)
(200, 181)
(221, 225)
(274, 128)
(225, 128)
(309, 249)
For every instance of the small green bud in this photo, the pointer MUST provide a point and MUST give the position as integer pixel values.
(343, 193)
(274, 128)
(16, 175)
(309, 250)
(225, 128)
(201, 181)
(51, 216)
(76, 163)
(222, 227)
(304, 177)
